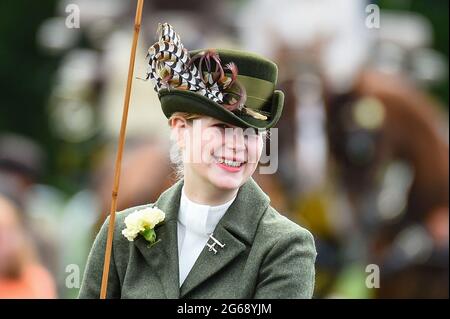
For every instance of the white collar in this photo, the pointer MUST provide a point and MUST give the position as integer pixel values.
(198, 218)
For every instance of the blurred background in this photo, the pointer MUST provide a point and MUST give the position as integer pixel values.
(363, 142)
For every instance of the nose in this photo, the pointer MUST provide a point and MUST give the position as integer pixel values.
(235, 140)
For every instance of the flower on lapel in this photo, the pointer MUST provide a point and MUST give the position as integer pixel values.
(143, 222)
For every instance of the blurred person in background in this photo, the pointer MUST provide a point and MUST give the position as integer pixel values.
(21, 162)
(21, 166)
(21, 275)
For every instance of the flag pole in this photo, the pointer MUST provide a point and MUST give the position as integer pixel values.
(123, 126)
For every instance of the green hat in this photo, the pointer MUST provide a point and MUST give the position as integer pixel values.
(232, 86)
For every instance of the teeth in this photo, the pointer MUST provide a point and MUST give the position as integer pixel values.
(229, 163)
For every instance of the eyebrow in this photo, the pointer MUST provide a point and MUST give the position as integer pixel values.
(222, 123)
(255, 130)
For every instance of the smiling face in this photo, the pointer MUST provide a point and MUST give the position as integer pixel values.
(216, 154)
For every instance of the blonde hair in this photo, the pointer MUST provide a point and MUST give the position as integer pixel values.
(176, 154)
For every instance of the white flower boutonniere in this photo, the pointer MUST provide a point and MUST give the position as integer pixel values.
(143, 222)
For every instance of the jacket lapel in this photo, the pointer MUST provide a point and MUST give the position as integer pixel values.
(236, 230)
(163, 255)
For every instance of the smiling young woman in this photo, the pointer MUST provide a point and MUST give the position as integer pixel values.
(216, 235)
(216, 157)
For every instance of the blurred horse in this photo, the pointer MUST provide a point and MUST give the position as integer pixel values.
(381, 120)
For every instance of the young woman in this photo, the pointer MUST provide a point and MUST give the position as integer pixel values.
(213, 234)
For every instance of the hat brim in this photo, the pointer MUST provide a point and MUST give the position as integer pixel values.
(174, 100)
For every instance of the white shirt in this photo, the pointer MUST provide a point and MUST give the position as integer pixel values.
(195, 223)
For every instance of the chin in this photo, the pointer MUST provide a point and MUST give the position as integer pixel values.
(226, 182)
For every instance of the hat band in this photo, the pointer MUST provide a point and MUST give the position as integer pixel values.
(258, 91)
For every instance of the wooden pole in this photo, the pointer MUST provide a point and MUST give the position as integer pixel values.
(123, 127)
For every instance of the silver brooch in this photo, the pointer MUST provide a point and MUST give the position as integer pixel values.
(212, 246)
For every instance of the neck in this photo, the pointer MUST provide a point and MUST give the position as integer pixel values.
(203, 192)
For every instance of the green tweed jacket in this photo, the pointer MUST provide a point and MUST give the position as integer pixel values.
(265, 255)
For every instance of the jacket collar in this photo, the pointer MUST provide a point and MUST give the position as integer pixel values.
(236, 230)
